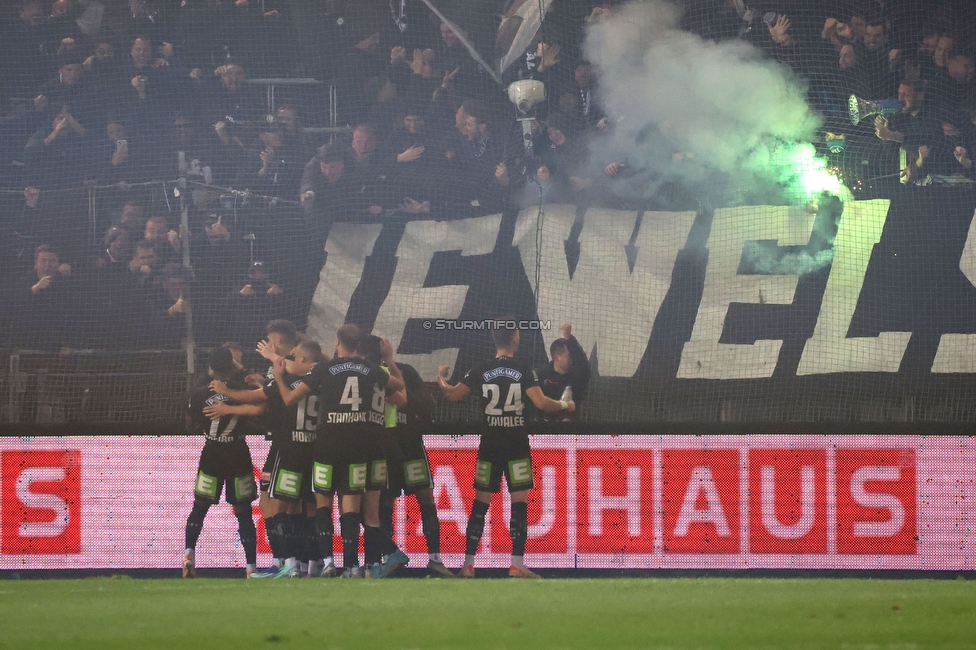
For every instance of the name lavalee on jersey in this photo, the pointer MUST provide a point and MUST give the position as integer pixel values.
(506, 421)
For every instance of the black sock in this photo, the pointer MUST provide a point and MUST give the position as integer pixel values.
(298, 537)
(518, 527)
(432, 527)
(386, 512)
(476, 526)
(275, 526)
(387, 545)
(349, 529)
(194, 523)
(311, 539)
(372, 544)
(247, 531)
(324, 531)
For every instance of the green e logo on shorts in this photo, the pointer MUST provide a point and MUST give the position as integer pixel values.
(482, 472)
(322, 476)
(206, 485)
(379, 472)
(288, 483)
(415, 473)
(244, 487)
(357, 476)
(520, 471)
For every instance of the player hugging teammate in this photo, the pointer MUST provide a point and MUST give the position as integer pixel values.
(349, 455)
(407, 417)
(354, 426)
(286, 479)
(225, 462)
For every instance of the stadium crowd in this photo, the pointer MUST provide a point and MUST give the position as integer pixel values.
(130, 96)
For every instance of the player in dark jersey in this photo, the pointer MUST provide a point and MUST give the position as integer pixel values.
(225, 460)
(409, 467)
(351, 399)
(378, 350)
(567, 376)
(289, 469)
(504, 449)
(292, 529)
(383, 556)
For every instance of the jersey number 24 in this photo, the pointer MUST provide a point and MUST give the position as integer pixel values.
(513, 401)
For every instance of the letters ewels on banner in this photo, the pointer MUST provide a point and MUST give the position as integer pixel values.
(733, 502)
(759, 288)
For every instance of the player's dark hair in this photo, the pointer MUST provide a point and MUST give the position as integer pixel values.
(284, 327)
(503, 337)
(369, 348)
(157, 219)
(349, 336)
(222, 362)
(311, 350)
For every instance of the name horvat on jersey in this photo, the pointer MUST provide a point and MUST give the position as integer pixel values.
(350, 366)
(352, 418)
(303, 436)
(511, 373)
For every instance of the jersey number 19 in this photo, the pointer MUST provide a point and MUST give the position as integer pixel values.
(308, 413)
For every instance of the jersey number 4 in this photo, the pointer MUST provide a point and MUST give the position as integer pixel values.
(513, 401)
(350, 396)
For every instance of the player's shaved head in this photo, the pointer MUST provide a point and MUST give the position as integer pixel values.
(310, 351)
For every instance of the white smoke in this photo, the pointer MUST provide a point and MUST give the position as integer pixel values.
(666, 90)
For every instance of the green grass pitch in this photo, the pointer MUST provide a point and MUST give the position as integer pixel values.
(108, 613)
